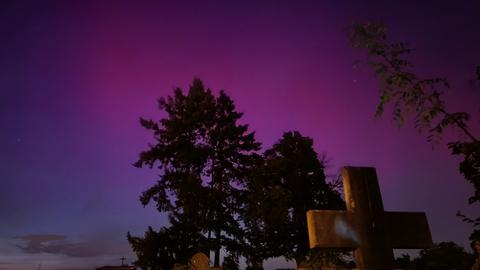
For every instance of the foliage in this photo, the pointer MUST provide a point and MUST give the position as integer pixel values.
(218, 193)
(289, 182)
(442, 256)
(161, 250)
(318, 259)
(231, 262)
(410, 95)
(153, 250)
(403, 262)
(204, 156)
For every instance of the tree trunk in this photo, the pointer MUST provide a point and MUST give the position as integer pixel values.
(216, 260)
(299, 260)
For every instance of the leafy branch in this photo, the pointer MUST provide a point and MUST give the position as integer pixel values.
(410, 95)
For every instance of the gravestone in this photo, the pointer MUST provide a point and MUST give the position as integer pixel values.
(365, 226)
(200, 261)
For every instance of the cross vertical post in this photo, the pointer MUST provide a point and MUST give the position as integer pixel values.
(362, 196)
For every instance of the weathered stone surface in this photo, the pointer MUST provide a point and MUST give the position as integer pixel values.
(408, 230)
(179, 266)
(365, 227)
(200, 261)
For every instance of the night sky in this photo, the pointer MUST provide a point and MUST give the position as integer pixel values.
(76, 76)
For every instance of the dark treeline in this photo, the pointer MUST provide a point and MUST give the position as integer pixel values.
(442, 256)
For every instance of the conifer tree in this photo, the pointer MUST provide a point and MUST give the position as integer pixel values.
(290, 182)
(204, 155)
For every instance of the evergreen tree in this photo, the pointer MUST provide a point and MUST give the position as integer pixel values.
(204, 156)
(163, 249)
(153, 250)
(290, 182)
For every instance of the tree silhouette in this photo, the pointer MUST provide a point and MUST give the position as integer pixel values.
(153, 250)
(204, 156)
(163, 249)
(410, 95)
(442, 256)
(290, 181)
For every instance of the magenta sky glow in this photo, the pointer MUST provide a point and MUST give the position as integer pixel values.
(77, 75)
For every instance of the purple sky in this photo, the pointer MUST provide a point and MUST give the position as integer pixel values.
(76, 76)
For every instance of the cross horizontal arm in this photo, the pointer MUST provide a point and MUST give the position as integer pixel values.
(331, 229)
(408, 230)
(336, 229)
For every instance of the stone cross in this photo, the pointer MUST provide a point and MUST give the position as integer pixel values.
(365, 226)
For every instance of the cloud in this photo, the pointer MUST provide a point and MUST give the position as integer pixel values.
(58, 244)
